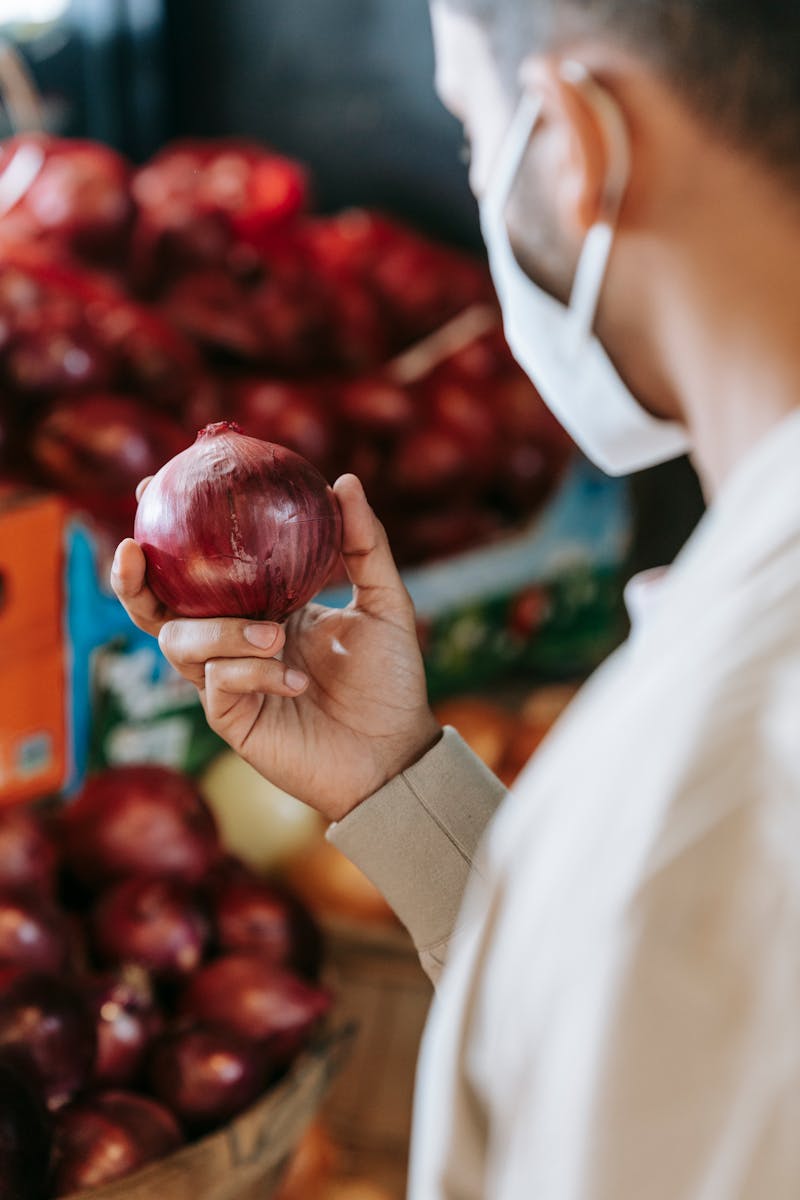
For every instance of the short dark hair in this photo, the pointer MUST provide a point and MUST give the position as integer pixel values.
(736, 62)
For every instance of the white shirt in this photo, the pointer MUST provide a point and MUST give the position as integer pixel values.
(620, 1014)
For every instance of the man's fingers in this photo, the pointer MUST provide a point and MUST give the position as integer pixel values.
(189, 645)
(227, 680)
(129, 584)
(367, 556)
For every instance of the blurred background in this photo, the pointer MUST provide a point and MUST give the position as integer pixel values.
(259, 211)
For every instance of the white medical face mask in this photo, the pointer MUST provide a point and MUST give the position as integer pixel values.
(554, 344)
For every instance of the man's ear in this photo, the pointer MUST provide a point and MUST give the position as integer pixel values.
(577, 136)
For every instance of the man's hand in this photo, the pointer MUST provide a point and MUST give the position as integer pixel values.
(328, 706)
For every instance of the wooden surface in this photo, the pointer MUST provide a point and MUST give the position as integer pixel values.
(385, 992)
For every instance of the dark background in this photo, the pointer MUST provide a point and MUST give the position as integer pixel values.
(345, 84)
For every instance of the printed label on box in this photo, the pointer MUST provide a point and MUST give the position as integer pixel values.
(34, 755)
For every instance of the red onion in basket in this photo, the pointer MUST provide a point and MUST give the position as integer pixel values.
(257, 917)
(139, 820)
(97, 448)
(33, 934)
(154, 922)
(80, 198)
(127, 1021)
(259, 1001)
(288, 413)
(27, 853)
(107, 1136)
(238, 527)
(206, 1075)
(46, 1026)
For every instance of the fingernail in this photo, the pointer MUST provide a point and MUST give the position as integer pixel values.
(295, 680)
(115, 563)
(263, 636)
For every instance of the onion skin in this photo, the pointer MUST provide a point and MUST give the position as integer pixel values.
(237, 527)
(206, 1075)
(154, 922)
(255, 917)
(107, 1137)
(28, 856)
(33, 935)
(96, 448)
(46, 1026)
(139, 820)
(127, 1021)
(263, 1003)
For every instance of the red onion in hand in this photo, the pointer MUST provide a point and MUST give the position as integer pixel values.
(238, 527)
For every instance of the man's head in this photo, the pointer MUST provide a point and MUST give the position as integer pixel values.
(735, 62)
(709, 93)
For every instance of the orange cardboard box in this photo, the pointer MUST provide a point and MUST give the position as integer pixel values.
(33, 703)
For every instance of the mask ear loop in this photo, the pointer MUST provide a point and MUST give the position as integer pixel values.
(511, 153)
(593, 261)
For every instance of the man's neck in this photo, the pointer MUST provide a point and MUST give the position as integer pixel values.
(733, 354)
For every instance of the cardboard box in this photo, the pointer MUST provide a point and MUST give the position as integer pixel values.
(34, 751)
(545, 599)
(127, 704)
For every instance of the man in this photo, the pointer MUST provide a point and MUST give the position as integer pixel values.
(620, 1014)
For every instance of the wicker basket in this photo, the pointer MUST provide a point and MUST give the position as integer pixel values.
(385, 993)
(246, 1159)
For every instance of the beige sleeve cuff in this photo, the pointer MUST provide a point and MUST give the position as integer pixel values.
(417, 837)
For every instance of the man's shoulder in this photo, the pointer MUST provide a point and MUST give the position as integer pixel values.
(665, 727)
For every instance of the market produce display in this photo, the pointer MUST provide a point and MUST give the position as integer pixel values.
(316, 1172)
(151, 986)
(506, 737)
(137, 306)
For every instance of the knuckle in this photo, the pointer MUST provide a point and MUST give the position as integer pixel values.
(215, 674)
(169, 637)
(215, 717)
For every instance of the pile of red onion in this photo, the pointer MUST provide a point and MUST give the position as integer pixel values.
(137, 305)
(151, 987)
(238, 527)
